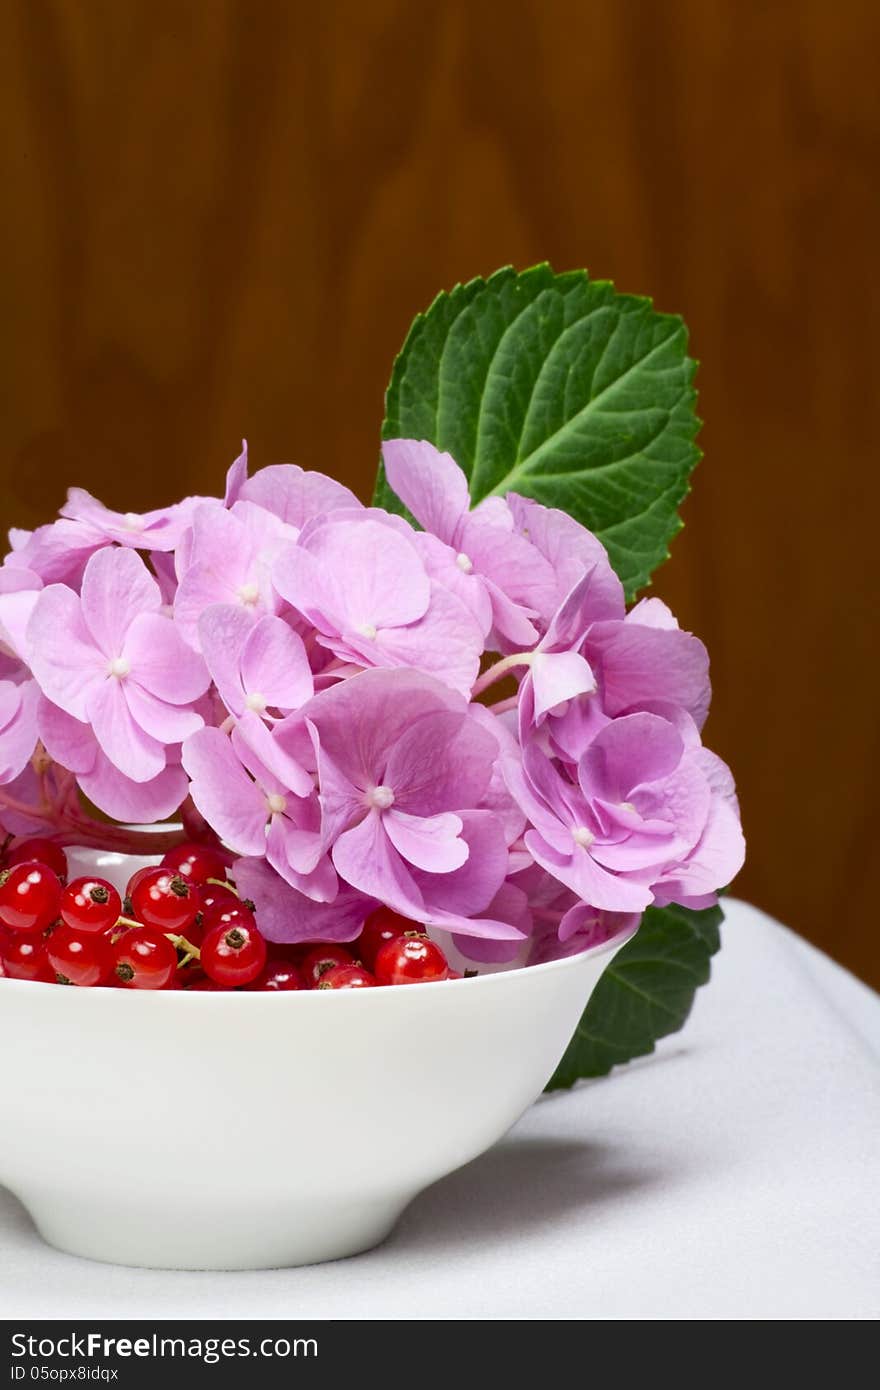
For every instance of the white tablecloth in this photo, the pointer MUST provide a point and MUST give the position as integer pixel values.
(733, 1175)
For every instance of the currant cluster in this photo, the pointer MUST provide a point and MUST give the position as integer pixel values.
(182, 925)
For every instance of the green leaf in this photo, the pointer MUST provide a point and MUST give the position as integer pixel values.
(557, 387)
(646, 992)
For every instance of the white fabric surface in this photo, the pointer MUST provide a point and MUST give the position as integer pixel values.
(733, 1175)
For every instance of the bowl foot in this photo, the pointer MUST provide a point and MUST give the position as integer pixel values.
(275, 1237)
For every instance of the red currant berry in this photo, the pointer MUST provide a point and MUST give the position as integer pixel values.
(319, 959)
(44, 852)
(196, 863)
(90, 904)
(279, 975)
(347, 977)
(381, 926)
(234, 955)
(410, 960)
(144, 959)
(136, 878)
(24, 958)
(204, 983)
(79, 957)
(29, 896)
(215, 898)
(162, 899)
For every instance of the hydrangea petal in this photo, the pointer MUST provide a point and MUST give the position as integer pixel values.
(162, 662)
(427, 842)
(294, 494)
(224, 793)
(61, 651)
(429, 483)
(274, 665)
(126, 744)
(117, 588)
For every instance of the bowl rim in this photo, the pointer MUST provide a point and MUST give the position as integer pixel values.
(217, 997)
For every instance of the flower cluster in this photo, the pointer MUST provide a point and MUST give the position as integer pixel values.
(461, 722)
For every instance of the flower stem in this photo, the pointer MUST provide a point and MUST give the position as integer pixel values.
(501, 668)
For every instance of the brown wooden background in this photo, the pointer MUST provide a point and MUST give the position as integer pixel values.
(222, 215)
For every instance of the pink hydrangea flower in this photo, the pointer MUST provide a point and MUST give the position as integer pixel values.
(156, 530)
(363, 586)
(401, 765)
(74, 746)
(260, 666)
(18, 724)
(112, 660)
(638, 812)
(491, 556)
(57, 553)
(253, 788)
(227, 557)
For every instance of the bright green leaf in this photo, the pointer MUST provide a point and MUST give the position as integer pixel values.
(557, 387)
(646, 992)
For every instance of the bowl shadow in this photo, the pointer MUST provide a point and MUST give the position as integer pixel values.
(518, 1186)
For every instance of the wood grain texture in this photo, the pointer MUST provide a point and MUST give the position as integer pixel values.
(221, 217)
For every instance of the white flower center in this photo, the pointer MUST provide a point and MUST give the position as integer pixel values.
(627, 806)
(464, 563)
(277, 803)
(582, 836)
(368, 630)
(380, 797)
(249, 593)
(133, 522)
(119, 667)
(256, 701)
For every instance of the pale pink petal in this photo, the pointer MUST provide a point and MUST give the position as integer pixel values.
(135, 802)
(295, 495)
(58, 553)
(630, 751)
(18, 737)
(443, 565)
(251, 736)
(286, 847)
(557, 677)
(512, 562)
(162, 662)
(300, 579)
(68, 741)
(640, 664)
(570, 549)
(652, 612)
(442, 762)
(16, 608)
(286, 915)
(223, 629)
(117, 587)
(427, 842)
(230, 802)
(509, 904)
(471, 888)
(365, 858)
(126, 744)
(579, 872)
(445, 643)
(510, 621)
(274, 665)
(375, 575)
(61, 651)
(430, 484)
(236, 476)
(167, 723)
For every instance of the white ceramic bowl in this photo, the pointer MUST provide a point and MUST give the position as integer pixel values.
(250, 1130)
